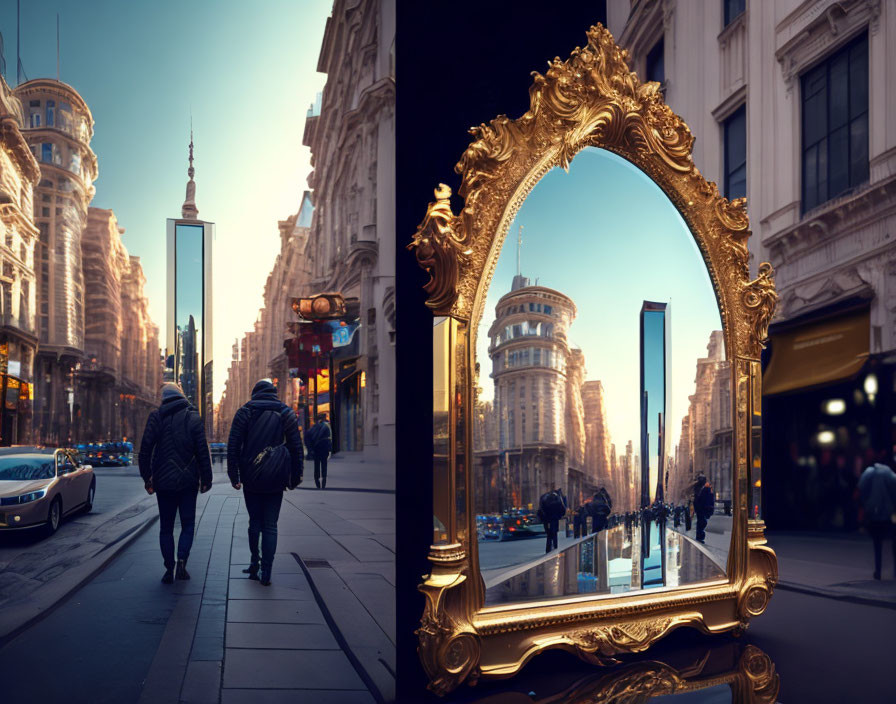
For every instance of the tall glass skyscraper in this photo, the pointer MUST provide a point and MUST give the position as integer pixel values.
(189, 319)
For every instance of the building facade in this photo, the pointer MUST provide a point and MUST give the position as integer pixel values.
(822, 206)
(58, 128)
(537, 404)
(351, 251)
(600, 454)
(19, 175)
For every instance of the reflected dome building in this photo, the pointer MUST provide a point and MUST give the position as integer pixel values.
(58, 129)
(539, 446)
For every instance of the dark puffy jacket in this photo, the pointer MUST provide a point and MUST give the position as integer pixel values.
(319, 440)
(263, 423)
(174, 453)
(704, 501)
(601, 505)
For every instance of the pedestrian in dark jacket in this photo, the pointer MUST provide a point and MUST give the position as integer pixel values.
(877, 490)
(175, 465)
(578, 522)
(704, 505)
(600, 508)
(264, 457)
(319, 441)
(551, 508)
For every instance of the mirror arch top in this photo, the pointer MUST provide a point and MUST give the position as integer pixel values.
(590, 99)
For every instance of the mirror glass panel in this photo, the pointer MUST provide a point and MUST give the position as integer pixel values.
(602, 429)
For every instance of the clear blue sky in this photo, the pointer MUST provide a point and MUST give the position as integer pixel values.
(249, 72)
(608, 237)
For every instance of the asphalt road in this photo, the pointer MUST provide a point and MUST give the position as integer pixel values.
(116, 489)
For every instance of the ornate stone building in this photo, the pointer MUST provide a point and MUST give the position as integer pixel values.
(58, 128)
(352, 239)
(19, 174)
(822, 206)
(600, 459)
(116, 384)
(704, 446)
(537, 406)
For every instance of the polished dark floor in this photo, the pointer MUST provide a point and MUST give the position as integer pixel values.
(822, 650)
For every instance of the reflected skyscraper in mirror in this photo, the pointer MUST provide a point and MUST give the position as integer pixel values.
(189, 321)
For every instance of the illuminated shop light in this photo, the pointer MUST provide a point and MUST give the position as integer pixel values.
(835, 407)
(826, 437)
(870, 386)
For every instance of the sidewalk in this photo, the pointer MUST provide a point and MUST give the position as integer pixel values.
(325, 628)
(833, 565)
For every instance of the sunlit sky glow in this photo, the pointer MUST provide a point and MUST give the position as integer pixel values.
(606, 236)
(248, 72)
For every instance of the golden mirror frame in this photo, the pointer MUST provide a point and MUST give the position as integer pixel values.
(590, 99)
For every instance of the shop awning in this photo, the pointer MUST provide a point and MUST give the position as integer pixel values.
(818, 353)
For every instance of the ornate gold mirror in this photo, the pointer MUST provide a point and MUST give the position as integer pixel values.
(596, 322)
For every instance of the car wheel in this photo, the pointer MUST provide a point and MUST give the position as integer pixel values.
(88, 507)
(54, 516)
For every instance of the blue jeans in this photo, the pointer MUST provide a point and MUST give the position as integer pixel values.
(264, 511)
(170, 504)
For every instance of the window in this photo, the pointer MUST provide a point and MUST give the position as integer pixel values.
(548, 310)
(733, 10)
(835, 124)
(75, 166)
(736, 154)
(51, 113)
(655, 67)
(46, 152)
(35, 119)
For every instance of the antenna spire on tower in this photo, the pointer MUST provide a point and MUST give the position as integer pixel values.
(519, 250)
(189, 209)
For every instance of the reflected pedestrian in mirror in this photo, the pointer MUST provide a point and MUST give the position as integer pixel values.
(600, 508)
(704, 506)
(877, 489)
(319, 441)
(175, 465)
(551, 508)
(264, 457)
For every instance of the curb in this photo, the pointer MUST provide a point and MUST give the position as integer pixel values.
(355, 661)
(102, 558)
(832, 594)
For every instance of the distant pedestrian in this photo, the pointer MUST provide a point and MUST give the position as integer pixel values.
(877, 489)
(551, 508)
(175, 465)
(319, 441)
(704, 506)
(578, 522)
(600, 508)
(264, 457)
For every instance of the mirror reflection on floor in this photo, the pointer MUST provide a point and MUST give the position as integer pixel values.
(603, 399)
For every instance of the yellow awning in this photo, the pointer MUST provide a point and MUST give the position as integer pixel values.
(817, 354)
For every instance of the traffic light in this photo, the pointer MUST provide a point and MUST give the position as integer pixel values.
(323, 306)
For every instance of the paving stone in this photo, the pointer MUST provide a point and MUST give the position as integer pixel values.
(208, 648)
(273, 611)
(201, 683)
(289, 669)
(285, 636)
(283, 586)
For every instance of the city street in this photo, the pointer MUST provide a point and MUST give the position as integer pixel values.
(327, 622)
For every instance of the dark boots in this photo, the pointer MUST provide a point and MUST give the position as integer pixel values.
(168, 577)
(252, 571)
(182, 570)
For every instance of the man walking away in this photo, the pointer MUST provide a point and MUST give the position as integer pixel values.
(601, 506)
(877, 489)
(175, 464)
(704, 506)
(319, 441)
(264, 457)
(551, 508)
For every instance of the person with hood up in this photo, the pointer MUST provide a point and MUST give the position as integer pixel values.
(264, 457)
(319, 441)
(175, 465)
(704, 505)
(877, 489)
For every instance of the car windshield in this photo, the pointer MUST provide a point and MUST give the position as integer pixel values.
(24, 468)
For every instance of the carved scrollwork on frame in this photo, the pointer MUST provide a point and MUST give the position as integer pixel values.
(590, 99)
